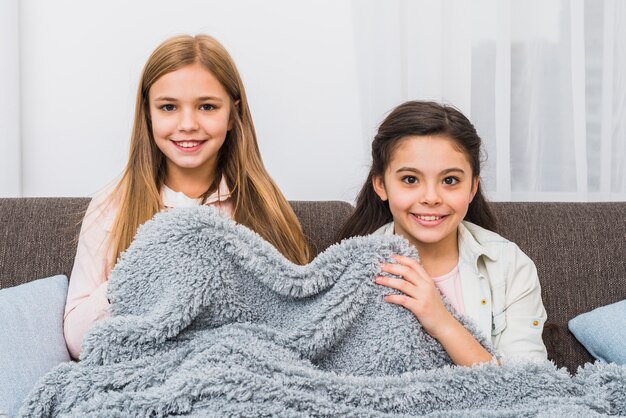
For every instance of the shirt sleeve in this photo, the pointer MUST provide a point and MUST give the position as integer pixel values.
(87, 300)
(524, 312)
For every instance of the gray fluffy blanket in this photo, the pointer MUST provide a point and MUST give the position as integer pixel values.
(210, 320)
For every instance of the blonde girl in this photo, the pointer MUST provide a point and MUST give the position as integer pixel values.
(424, 184)
(193, 142)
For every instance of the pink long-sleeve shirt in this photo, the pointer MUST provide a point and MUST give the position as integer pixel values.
(87, 300)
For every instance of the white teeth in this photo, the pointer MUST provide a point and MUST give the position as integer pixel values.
(187, 144)
(429, 218)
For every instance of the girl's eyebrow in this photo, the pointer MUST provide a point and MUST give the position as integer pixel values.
(446, 171)
(164, 99)
(199, 99)
(209, 98)
(411, 169)
(453, 170)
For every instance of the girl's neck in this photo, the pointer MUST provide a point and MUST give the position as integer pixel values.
(190, 182)
(439, 258)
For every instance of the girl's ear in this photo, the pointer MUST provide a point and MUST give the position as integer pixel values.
(230, 121)
(379, 187)
(474, 190)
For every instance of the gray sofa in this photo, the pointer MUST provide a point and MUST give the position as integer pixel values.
(579, 250)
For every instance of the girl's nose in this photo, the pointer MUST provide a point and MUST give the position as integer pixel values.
(187, 121)
(430, 195)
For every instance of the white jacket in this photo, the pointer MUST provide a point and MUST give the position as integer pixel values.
(501, 291)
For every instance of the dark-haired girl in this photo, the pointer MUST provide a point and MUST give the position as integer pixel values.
(424, 184)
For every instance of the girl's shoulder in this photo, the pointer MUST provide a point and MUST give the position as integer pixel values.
(475, 241)
(103, 207)
(105, 193)
(482, 235)
(483, 241)
(386, 229)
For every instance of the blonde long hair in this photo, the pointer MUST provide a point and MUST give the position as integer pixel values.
(258, 203)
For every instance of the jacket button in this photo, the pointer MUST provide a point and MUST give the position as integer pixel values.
(483, 301)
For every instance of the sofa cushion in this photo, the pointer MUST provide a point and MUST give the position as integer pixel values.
(32, 343)
(602, 332)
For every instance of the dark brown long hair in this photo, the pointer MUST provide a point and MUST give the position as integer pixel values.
(416, 118)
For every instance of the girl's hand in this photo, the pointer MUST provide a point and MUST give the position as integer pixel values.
(420, 296)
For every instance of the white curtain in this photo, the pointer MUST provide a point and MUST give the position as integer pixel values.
(544, 82)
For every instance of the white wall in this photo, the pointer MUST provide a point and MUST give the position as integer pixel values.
(80, 64)
(320, 76)
(10, 158)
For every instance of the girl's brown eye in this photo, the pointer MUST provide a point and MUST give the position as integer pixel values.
(409, 179)
(450, 181)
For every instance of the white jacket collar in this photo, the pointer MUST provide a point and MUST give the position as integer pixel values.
(470, 238)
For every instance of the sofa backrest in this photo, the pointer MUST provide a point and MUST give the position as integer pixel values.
(580, 253)
(579, 250)
(38, 236)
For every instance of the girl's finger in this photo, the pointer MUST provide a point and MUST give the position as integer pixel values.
(402, 285)
(402, 300)
(407, 261)
(414, 264)
(408, 273)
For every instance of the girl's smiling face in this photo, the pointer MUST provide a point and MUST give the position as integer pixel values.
(429, 186)
(190, 113)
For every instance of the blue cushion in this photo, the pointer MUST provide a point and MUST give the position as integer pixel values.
(32, 343)
(602, 332)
